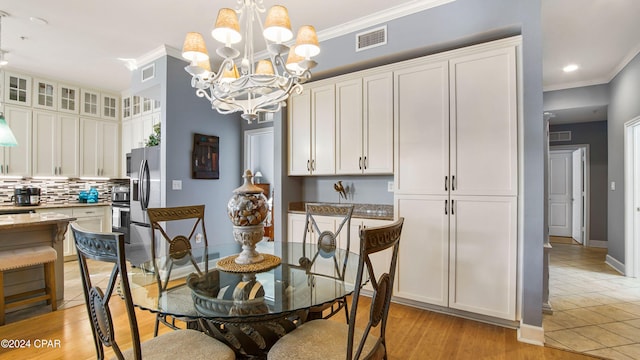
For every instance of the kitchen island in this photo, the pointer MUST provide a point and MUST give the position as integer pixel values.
(28, 230)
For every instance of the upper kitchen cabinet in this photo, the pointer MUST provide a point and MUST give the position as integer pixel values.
(56, 148)
(17, 89)
(364, 124)
(312, 131)
(16, 160)
(136, 106)
(126, 107)
(69, 99)
(109, 107)
(45, 94)
(147, 105)
(99, 155)
(89, 103)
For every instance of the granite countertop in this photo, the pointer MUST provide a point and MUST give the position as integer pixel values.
(6, 208)
(362, 211)
(16, 221)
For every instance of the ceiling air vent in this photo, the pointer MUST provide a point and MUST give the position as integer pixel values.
(371, 38)
(559, 136)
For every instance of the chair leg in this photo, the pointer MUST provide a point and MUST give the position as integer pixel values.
(50, 284)
(2, 307)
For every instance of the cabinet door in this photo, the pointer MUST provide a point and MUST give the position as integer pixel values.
(299, 124)
(45, 151)
(483, 255)
(110, 107)
(17, 89)
(126, 107)
(349, 127)
(296, 228)
(323, 120)
(90, 103)
(68, 145)
(377, 134)
(484, 123)
(381, 260)
(69, 98)
(45, 94)
(109, 149)
(17, 159)
(423, 258)
(89, 164)
(127, 141)
(421, 112)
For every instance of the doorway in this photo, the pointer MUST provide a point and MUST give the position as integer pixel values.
(568, 205)
(632, 197)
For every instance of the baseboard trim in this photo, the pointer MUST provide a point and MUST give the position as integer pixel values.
(598, 244)
(529, 334)
(614, 264)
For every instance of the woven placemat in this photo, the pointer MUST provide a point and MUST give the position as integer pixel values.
(229, 264)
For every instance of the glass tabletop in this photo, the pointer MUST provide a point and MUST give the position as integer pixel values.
(306, 277)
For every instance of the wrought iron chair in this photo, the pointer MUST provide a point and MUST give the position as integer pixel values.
(324, 339)
(170, 224)
(109, 248)
(327, 240)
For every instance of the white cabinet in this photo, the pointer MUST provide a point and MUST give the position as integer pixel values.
(99, 146)
(297, 227)
(56, 146)
(89, 103)
(17, 89)
(69, 99)
(380, 260)
(45, 94)
(364, 125)
(109, 106)
(312, 132)
(456, 180)
(16, 160)
(92, 218)
(126, 107)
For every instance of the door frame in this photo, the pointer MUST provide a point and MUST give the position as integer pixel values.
(586, 185)
(249, 135)
(631, 244)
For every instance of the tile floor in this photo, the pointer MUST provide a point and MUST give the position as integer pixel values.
(73, 295)
(596, 310)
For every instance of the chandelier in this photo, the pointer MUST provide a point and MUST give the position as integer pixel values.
(248, 85)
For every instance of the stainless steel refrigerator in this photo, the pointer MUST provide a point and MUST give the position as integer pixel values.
(145, 193)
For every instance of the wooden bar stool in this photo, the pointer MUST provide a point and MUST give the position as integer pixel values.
(19, 258)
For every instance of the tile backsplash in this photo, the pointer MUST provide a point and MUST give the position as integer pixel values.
(59, 191)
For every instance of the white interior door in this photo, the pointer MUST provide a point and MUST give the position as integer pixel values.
(560, 184)
(577, 231)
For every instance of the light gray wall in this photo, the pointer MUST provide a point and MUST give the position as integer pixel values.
(576, 97)
(361, 189)
(183, 114)
(593, 134)
(624, 106)
(461, 23)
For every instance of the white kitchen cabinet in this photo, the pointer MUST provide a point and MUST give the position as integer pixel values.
(17, 89)
(364, 125)
(109, 106)
(89, 103)
(380, 260)
(16, 160)
(56, 146)
(126, 107)
(69, 99)
(297, 227)
(136, 105)
(456, 179)
(312, 132)
(45, 94)
(100, 153)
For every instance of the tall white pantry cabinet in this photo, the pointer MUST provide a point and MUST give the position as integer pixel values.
(456, 178)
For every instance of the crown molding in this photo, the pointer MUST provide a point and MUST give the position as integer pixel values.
(157, 53)
(625, 61)
(577, 84)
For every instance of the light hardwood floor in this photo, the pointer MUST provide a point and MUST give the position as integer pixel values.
(411, 334)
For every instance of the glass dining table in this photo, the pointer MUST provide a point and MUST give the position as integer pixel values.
(248, 310)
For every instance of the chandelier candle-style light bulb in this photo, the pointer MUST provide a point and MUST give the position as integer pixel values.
(261, 85)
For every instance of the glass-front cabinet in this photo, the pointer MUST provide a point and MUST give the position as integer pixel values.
(17, 89)
(45, 94)
(68, 96)
(90, 103)
(109, 106)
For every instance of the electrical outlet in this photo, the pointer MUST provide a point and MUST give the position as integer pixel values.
(176, 185)
(390, 186)
(198, 238)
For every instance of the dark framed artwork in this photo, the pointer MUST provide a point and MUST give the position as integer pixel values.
(205, 159)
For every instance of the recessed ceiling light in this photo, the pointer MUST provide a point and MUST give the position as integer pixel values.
(570, 68)
(39, 20)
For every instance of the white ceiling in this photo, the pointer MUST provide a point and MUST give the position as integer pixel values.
(83, 40)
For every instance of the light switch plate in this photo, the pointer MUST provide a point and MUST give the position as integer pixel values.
(613, 186)
(176, 185)
(390, 186)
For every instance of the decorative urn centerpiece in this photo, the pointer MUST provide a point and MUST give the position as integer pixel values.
(247, 209)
